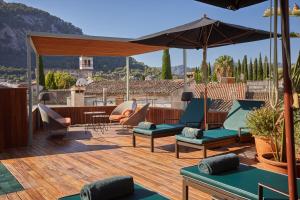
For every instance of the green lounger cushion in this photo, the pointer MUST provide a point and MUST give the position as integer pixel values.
(161, 128)
(140, 193)
(194, 113)
(237, 115)
(211, 135)
(243, 182)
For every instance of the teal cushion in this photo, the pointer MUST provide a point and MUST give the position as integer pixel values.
(237, 115)
(140, 193)
(243, 182)
(194, 112)
(211, 135)
(161, 128)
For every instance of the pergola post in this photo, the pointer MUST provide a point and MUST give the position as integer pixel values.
(184, 69)
(37, 74)
(29, 90)
(127, 78)
(288, 101)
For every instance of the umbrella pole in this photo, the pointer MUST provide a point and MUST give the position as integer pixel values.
(288, 110)
(204, 68)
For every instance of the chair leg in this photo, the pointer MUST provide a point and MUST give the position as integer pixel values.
(152, 144)
(176, 149)
(133, 140)
(204, 152)
(185, 190)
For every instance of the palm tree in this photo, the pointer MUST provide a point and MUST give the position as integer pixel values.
(223, 66)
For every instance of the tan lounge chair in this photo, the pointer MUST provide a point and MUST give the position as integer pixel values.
(116, 114)
(52, 121)
(138, 116)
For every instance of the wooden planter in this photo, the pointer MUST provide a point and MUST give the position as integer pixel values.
(263, 145)
(267, 159)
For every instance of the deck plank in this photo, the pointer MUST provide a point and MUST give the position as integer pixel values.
(52, 168)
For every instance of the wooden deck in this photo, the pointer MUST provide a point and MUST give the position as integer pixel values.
(52, 168)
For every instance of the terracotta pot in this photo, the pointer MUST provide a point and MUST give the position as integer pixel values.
(263, 145)
(268, 162)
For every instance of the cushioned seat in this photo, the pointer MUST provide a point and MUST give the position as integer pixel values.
(212, 135)
(191, 117)
(160, 128)
(116, 117)
(235, 122)
(242, 182)
(65, 121)
(140, 193)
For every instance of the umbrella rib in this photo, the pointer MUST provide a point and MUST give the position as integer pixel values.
(174, 38)
(225, 36)
(211, 28)
(232, 38)
(184, 40)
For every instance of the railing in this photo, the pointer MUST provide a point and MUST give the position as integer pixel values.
(156, 115)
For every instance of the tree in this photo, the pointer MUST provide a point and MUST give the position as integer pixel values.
(223, 66)
(166, 72)
(50, 80)
(239, 69)
(266, 68)
(255, 69)
(41, 79)
(251, 70)
(63, 80)
(260, 72)
(209, 71)
(245, 68)
(197, 75)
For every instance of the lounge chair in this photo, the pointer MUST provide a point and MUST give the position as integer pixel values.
(245, 183)
(116, 114)
(233, 130)
(52, 121)
(191, 117)
(140, 193)
(138, 116)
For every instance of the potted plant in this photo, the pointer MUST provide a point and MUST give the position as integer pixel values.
(266, 124)
(261, 123)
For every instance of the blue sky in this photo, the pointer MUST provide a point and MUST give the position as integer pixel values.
(135, 18)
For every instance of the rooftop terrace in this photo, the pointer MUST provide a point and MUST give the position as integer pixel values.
(52, 168)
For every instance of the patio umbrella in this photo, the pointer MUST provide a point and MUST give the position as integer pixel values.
(202, 34)
(288, 115)
(231, 4)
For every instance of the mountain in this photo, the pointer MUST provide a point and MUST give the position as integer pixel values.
(178, 70)
(17, 19)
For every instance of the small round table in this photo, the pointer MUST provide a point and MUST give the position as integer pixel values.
(91, 114)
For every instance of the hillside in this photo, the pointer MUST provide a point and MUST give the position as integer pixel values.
(16, 19)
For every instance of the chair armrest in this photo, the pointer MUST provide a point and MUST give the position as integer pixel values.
(240, 130)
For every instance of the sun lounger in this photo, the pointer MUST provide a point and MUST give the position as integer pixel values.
(140, 193)
(191, 117)
(245, 183)
(52, 121)
(233, 130)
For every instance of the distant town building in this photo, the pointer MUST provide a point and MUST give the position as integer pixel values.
(86, 67)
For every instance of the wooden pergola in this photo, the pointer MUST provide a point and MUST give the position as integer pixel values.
(47, 44)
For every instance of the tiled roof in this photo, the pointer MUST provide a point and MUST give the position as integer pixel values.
(223, 91)
(148, 87)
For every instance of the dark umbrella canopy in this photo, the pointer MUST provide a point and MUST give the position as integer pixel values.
(232, 4)
(204, 32)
